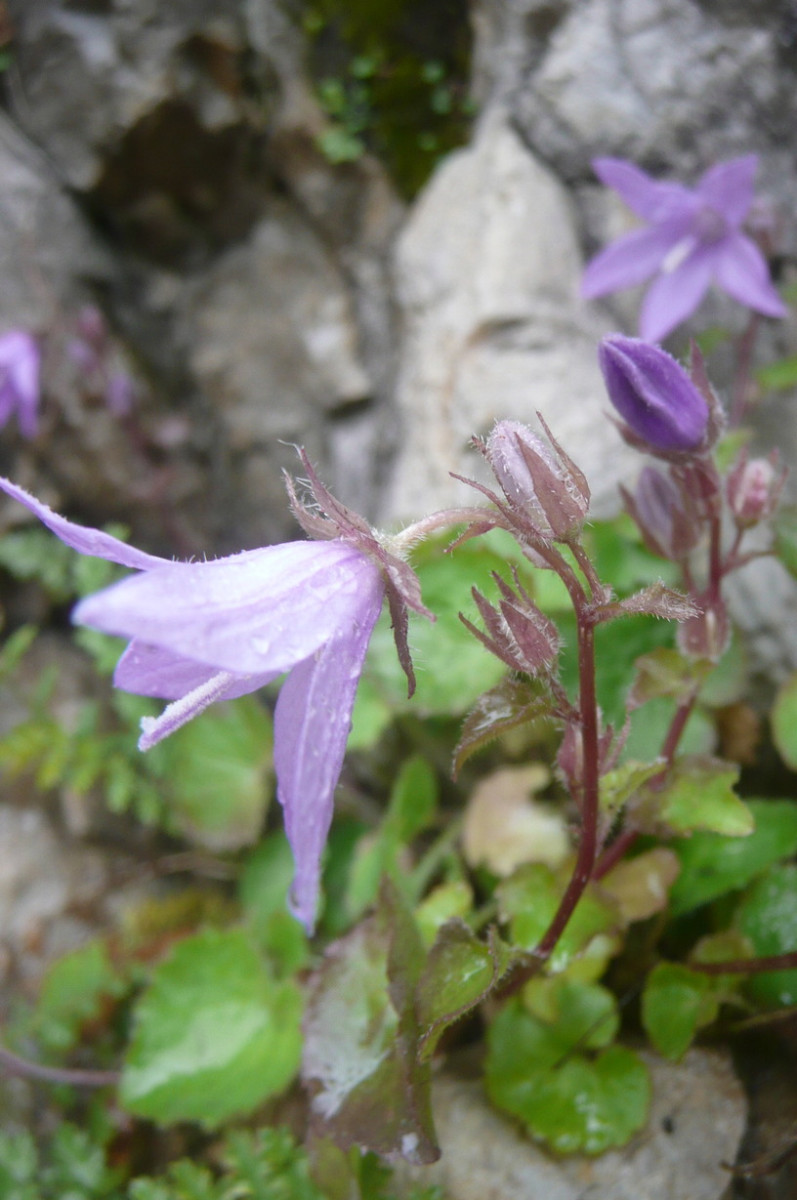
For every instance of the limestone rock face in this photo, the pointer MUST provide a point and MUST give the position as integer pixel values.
(487, 273)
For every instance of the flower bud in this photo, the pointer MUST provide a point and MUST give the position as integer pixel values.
(753, 488)
(653, 394)
(661, 511)
(545, 486)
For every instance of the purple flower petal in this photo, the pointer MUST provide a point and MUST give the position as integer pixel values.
(675, 295)
(630, 260)
(150, 671)
(692, 236)
(20, 361)
(728, 188)
(260, 611)
(742, 272)
(311, 726)
(651, 199)
(81, 537)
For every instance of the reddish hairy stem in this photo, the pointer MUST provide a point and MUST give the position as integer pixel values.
(625, 840)
(588, 844)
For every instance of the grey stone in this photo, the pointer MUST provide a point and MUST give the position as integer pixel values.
(44, 885)
(487, 274)
(46, 248)
(697, 1119)
(273, 346)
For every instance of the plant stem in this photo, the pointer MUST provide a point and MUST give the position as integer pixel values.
(744, 361)
(16, 1065)
(588, 842)
(748, 966)
(590, 798)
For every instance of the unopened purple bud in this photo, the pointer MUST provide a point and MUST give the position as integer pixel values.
(545, 486)
(653, 394)
(753, 488)
(660, 510)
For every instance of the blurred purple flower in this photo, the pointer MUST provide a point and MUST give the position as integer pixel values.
(20, 360)
(693, 237)
(207, 631)
(654, 395)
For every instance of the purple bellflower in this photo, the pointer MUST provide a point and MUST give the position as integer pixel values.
(663, 409)
(692, 237)
(20, 360)
(206, 631)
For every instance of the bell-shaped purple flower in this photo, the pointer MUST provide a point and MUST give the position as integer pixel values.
(20, 360)
(693, 237)
(653, 394)
(206, 631)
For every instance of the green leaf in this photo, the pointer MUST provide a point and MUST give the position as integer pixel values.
(338, 145)
(712, 865)
(263, 889)
(676, 1003)
(19, 1166)
(768, 917)
(217, 769)
(36, 555)
(361, 1034)
(651, 724)
(584, 1016)
(784, 722)
(413, 801)
(529, 900)
(778, 376)
(786, 538)
(619, 786)
(444, 902)
(214, 1034)
(621, 558)
(573, 1102)
(460, 971)
(665, 672)
(698, 794)
(511, 703)
(72, 993)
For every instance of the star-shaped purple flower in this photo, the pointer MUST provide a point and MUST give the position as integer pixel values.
(692, 238)
(20, 360)
(206, 631)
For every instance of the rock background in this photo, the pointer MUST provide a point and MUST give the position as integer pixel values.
(162, 161)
